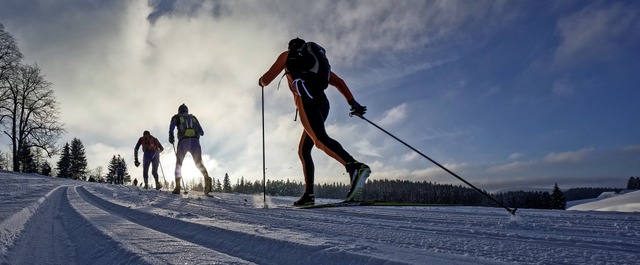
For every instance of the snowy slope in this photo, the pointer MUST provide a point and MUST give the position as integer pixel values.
(54, 221)
(627, 202)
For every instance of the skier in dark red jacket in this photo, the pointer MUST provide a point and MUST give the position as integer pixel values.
(151, 149)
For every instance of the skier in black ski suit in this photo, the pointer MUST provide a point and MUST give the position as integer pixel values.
(313, 106)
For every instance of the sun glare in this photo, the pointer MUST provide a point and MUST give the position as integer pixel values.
(190, 172)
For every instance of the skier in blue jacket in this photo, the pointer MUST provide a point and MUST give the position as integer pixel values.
(189, 132)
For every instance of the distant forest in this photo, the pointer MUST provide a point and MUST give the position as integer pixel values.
(423, 192)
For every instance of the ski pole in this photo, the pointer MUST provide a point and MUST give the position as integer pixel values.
(512, 211)
(264, 170)
(176, 152)
(161, 169)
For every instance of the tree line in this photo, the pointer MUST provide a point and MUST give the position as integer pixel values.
(417, 192)
(422, 192)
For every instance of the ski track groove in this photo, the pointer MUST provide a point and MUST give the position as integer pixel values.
(387, 221)
(235, 243)
(66, 229)
(165, 248)
(441, 231)
(136, 226)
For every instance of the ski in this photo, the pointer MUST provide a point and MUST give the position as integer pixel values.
(369, 203)
(192, 194)
(197, 195)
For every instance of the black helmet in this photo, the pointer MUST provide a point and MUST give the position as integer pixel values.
(145, 133)
(296, 43)
(183, 109)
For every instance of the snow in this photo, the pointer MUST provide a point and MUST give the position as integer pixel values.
(57, 221)
(611, 201)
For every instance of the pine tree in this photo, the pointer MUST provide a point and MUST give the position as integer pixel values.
(226, 186)
(557, 199)
(113, 169)
(127, 177)
(73, 161)
(46, 169)
(64, 164)
(197, 185)
(39, 160)
(633, 183)
(218, 187)
(27, 161)
(78, 165)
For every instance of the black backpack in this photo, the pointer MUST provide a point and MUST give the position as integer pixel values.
(309, 63)
(187, 126)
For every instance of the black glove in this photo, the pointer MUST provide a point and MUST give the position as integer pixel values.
(260, 82)
(171, 139)
(136, 162)
(356, 108)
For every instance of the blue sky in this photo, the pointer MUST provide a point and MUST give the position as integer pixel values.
(507, 94)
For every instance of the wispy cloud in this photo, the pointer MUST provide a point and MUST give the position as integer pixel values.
(510, 167)
(563, 87)
(631, 148)
(394, 115)
(594, 33)
(515, 156)
(411, 156)
(568, 157)
(489, 92)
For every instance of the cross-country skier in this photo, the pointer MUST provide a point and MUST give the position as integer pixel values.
(189, 132)
(151, 149)
(309, 74)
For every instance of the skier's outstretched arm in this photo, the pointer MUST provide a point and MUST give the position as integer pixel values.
(275, 69)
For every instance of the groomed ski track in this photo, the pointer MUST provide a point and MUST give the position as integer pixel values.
(89, 223)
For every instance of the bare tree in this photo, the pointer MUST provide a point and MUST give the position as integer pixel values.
(97, 174)
(10, 58)
(10, 55)
(30, 112)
